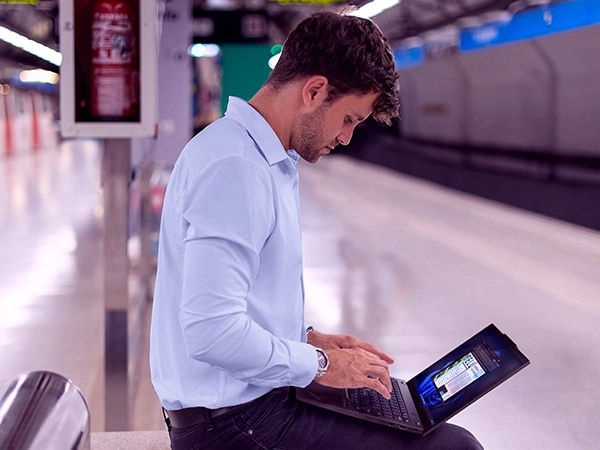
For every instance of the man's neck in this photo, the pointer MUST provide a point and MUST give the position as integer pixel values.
(279, 109)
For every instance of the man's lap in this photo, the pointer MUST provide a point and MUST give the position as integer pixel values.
(277, 421)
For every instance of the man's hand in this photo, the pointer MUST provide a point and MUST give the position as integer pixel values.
(353, 363)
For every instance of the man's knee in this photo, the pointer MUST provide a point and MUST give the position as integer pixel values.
(452, 437)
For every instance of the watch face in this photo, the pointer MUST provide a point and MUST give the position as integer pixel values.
(322, 360)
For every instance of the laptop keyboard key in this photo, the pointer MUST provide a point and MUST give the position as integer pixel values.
(371, 402)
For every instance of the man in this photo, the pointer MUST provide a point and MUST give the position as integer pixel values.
(228, 338)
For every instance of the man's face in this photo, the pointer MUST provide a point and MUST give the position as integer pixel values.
(318, 132)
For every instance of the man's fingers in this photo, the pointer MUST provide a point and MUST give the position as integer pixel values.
(376, 351)
(357, 368)
(377, 385)
(382, 378)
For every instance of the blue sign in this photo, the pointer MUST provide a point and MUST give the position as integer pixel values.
(534, 23)
(408, 56)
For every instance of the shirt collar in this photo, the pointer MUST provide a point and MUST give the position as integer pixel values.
(294, 156)
(259, 130)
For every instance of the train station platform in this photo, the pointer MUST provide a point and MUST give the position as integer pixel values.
(411, 266)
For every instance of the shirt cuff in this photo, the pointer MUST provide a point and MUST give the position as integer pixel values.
(304, 372)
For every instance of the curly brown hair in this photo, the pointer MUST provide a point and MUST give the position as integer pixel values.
(351, 52)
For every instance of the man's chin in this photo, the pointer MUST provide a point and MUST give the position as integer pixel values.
(313, 158)
(318, 156)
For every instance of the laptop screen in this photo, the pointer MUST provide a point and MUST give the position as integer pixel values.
(465, 374)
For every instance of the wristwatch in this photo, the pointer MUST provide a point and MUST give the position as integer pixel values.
(323, 362)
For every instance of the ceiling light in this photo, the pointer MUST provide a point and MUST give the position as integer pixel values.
(38, 76)
(204, 50)
(374, 8)
(30, 46)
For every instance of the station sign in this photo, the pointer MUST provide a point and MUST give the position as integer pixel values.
(219, 27)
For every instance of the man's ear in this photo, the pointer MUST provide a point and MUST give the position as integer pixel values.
(314, 91)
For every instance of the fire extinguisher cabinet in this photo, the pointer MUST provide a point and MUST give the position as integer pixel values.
(109, 69)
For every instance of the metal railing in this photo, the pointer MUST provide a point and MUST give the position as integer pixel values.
(43, 410)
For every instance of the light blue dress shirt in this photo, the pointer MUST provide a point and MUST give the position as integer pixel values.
(228, 311)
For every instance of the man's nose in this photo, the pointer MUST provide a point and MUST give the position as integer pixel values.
(344, 138)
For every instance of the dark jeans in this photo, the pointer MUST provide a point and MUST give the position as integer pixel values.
(277, 421)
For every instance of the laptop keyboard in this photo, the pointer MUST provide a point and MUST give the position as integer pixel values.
(371, 402)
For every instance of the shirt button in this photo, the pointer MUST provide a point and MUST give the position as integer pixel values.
(250, 432)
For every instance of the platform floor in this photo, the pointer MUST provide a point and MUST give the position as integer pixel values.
(408, 265)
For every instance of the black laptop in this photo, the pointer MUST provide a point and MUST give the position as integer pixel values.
(429, 399)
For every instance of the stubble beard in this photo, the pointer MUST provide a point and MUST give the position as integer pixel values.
(307, 136)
